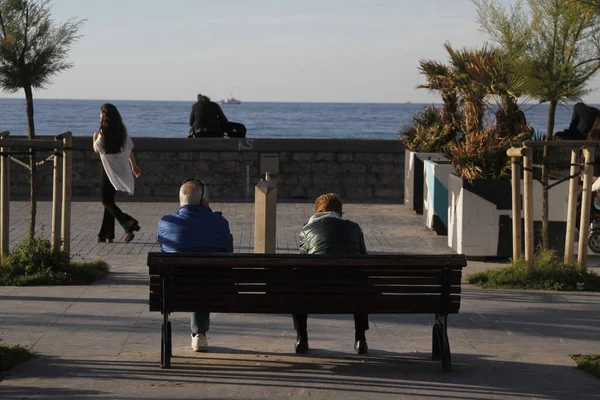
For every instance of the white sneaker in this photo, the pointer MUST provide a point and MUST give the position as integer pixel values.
(199, 342)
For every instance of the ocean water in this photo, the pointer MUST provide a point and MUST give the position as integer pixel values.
(263, 120)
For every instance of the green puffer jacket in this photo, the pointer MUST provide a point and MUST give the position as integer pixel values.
(327, 233)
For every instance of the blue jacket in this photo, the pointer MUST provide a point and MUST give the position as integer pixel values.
(194, 229)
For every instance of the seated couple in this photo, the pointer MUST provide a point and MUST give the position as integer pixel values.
(194, 227)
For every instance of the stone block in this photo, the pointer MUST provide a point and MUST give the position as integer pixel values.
(365, 157)
(358, 193)
(303, 157)
(298, 192)
(289, 179)
(354, 168)
(325, 157)
(229, 156)
(387, 192)
(345, 157)
(167, 190)
(385, 157)
(208, 156)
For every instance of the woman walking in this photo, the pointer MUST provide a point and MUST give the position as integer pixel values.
(118, 172)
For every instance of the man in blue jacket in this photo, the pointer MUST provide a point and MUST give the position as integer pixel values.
(194, 227)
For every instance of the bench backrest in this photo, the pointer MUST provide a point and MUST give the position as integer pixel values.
(259, 283)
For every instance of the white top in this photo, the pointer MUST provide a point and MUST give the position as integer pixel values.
(117, 165)
(596, 185)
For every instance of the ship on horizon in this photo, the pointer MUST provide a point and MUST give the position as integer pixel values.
(230, 100)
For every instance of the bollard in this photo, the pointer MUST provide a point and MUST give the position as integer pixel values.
(515, 154)
(528, 207)
(586, 204)
(4, 198)
(572, 207)
(66, 192)
(265, 216)
(56, 199)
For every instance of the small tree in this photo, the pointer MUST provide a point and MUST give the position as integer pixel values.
(32, 50)
(555, 42)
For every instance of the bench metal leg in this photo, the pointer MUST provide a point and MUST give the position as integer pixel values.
(440, 342)
(165, 345)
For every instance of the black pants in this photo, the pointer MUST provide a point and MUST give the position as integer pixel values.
(361, 322)
(111, 211)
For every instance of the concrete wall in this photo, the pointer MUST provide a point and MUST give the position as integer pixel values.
(356, 169)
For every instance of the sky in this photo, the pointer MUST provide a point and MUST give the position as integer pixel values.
(260, 50)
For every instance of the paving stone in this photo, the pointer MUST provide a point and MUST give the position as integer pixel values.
(101, 342)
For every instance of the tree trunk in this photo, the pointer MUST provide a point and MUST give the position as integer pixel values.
(549, 132)
(32, 159)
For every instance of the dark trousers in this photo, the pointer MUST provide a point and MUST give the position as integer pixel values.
(111, 211)
(361, 322)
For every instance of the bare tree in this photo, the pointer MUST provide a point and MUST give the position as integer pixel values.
(33, 48)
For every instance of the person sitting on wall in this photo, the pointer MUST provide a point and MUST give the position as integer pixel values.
(582, 122)
(207, 119)
(194, 227)
(327, 233)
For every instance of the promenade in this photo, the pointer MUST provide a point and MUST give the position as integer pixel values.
(100, 341)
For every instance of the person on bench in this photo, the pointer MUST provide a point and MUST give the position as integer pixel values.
(327, 233)
(194, 227)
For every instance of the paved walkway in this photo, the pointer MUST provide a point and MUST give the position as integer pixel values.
(100, 341)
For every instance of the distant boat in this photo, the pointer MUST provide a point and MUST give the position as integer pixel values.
(230, 100)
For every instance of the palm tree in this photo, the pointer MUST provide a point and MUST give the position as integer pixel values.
(32, 50)
(439, 79)
(472, 91)
(495, 71)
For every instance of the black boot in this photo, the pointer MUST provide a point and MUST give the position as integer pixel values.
(301, 343)
(360, 343)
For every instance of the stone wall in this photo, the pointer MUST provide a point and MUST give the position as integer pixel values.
(356, 169)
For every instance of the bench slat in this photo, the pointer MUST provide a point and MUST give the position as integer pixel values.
(192, 289)
(250, 258)
(264, 273)
(428, 306)
(295, 261)
(205, 281)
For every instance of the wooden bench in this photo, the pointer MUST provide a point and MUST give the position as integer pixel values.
(285, 284)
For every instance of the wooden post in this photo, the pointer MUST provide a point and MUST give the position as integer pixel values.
(516, 206)
(586, 204)
(528, 207)
(66, 192)
(265, 217)
(572, 207)
(4, 199)
(56, 200)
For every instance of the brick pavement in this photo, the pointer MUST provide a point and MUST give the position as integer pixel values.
(387, 227)
(100, 341)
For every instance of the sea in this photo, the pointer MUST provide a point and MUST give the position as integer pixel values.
(170, 119)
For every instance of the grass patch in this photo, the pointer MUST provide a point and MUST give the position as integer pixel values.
(589, 364)
(549, 273)
(33, 263)
(10, 356)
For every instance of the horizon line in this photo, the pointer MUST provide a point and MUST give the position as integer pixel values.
(262, 101)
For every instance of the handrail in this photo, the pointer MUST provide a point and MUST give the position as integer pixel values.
(38, 144)
(63, 135)
(558, 143)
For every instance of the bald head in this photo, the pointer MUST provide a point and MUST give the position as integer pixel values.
(193, 193)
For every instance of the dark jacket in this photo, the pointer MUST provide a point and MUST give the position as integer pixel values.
(325, 233)
(194, 229)
(582, 122)
(207, 119)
